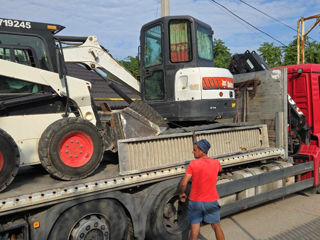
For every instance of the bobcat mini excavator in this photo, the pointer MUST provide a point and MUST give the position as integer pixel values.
(177, 77)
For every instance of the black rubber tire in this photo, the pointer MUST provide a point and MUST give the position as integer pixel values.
(49, 148)
(109, 210)
(157, 226)
(10, 159)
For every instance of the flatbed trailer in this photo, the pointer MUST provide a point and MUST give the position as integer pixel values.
(134, 195)
(35, 213)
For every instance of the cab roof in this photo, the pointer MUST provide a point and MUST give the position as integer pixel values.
(14, 25)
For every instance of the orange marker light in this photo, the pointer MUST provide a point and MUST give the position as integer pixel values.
(51, 27)
(36, 224)
(220, 94)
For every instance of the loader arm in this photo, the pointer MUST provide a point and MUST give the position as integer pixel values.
(79, 91)
(94, 56)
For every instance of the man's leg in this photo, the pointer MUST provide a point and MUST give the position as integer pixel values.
(195, 230)
(218, 231)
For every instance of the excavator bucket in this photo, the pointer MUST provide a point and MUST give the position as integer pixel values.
(135, 121)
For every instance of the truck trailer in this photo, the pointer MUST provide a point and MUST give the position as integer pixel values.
(139, 199)
(132, 193)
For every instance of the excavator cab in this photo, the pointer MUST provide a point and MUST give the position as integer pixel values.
(176, 71)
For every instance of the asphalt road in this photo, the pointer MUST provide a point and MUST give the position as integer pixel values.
(296, 217)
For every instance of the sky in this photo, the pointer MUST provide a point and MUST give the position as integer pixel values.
(117, 23)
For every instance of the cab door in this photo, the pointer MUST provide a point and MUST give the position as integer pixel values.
(152, 64)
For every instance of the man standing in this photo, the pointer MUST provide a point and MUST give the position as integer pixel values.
(203, 205)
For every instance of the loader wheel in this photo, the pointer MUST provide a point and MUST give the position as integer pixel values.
(99, 220)
(9, 159)
(71, 148)
(168, 218)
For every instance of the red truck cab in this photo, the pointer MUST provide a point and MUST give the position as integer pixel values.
(304, 88)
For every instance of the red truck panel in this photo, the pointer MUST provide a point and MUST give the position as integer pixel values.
(304, 89)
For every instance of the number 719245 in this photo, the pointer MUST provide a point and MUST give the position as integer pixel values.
(15, 23)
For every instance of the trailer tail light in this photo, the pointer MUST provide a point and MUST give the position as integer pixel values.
(217, 83)
(36, 224)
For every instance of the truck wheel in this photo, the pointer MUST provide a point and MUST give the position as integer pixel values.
(99, 220)
(9, 159)
(71, 148)
(168, 217)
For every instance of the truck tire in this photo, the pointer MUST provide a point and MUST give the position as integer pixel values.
(99, 220)
(168, 217)
(9, 159)
(71, 149)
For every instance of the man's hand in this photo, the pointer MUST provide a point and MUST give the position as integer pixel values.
(182, 197)
(183, 187)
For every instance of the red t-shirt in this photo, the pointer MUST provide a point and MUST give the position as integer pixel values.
(204, 173)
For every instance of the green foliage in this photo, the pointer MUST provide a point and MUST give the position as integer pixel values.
(287, 55)
(132, 65)
(312, 52)
(271, 54)
(221, 54)
(290, 53)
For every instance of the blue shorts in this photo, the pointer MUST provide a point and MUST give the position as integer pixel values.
(208, 212)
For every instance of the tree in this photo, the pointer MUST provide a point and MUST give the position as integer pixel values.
(290, 53)
(312, 52)
(272, 55)
(132, 65)
(221, 54)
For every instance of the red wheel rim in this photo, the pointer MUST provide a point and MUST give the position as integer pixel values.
(1, 161)
(76, 149)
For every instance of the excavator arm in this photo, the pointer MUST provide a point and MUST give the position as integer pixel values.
(94, 56)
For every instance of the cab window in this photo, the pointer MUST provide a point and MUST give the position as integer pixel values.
(180, 41)
(11, 86)
(204, 43)
(21, 54)
(154, 86)
(152, 47)
(5, 54)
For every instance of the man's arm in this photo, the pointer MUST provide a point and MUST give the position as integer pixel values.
(183, 187)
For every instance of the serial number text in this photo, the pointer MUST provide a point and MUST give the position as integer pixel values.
(14, 23)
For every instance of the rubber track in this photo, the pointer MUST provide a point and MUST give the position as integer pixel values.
(43, 148)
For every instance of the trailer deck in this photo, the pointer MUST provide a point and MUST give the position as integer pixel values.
(23, 195)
